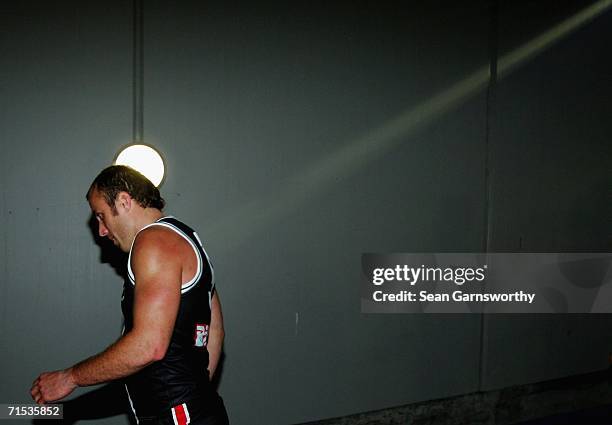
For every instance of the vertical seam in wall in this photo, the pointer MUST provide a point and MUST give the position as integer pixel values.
(138, 72)
(489, 117)
(5, 260)
(5, 215)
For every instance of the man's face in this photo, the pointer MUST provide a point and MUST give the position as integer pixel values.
(110, 223)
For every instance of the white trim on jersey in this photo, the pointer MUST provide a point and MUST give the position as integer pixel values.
(130, 273)
(185, 287)
(187, 413)
(198, 238)
(131, 404)
(174, 416)
(212, 270)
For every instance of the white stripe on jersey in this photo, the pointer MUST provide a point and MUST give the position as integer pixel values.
(185, 287)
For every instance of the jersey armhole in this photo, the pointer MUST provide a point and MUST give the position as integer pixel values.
(199, 262)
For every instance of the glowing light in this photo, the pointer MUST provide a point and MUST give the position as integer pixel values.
(144, 159)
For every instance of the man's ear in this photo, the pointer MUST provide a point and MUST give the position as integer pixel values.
(124, 201)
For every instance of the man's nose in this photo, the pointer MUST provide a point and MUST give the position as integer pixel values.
(102, 230)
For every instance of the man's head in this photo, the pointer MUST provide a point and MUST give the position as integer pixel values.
(123, 201)
(119, 178)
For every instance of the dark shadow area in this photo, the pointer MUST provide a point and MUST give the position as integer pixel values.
(590, 214)
(109, 253)
(104, 402)
(597, 416)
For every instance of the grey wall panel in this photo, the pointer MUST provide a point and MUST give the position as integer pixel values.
(552, 163)
(66, 82)
(258, 110)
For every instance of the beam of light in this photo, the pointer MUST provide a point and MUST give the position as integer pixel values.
(532, 48)
(320, 175)
(144, 159)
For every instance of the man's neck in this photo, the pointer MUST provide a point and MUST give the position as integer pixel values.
(146, 217)
(149, 215)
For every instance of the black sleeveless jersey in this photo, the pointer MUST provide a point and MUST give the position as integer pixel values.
(182, 375)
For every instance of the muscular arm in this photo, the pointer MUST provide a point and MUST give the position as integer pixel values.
(215, 338)
(156, 299)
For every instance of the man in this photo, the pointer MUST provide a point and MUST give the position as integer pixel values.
(173, 331)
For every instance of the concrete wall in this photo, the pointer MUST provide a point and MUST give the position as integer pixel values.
(66, 103)
(298, 136)
(551, 185)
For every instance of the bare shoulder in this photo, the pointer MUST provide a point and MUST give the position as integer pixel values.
(157, 243)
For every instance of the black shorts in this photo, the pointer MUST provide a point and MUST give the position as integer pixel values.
(192, 413)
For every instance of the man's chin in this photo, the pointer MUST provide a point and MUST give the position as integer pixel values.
(118, 245)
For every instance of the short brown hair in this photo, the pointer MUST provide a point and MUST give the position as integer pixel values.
(120, 178)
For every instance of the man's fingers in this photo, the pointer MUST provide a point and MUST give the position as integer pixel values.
(39, 399)
(36, 391)
(36, 394)
(50, 387)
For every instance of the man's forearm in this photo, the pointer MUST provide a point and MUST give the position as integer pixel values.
(214, 347)
(121, 359)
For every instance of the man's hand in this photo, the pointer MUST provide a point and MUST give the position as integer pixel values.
(51, 386)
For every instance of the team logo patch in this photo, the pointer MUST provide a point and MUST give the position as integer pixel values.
(201, 335)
